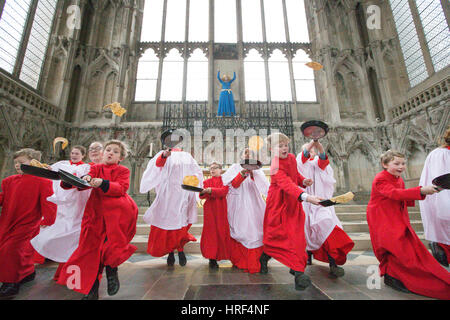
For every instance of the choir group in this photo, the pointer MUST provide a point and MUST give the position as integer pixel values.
(248, 219)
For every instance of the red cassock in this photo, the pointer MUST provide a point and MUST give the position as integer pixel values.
(399, 250)
(107, 228)
(215, 240)
(24, 209)
(161, 241)
(284, 220)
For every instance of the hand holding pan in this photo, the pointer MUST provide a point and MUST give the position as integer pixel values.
(251, 164)
(442, 182)
(39, 172)
(344, 198)
(191, 188)
(169, 139)
(73, 180)
(314, 129)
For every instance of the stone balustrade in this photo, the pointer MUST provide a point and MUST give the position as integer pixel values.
(434, 94)
(12, 89)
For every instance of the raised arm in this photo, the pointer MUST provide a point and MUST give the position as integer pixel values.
(218, 77)
(234, 77)
(237, 181)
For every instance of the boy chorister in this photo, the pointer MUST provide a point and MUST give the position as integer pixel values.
(405, 262)
(325, 237)
(60, 240)
(24, 208)
(284, 220)
(246, 208)
(215, 240)
(107, 228)
(174, 209)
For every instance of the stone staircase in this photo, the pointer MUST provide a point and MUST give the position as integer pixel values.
(352, 217)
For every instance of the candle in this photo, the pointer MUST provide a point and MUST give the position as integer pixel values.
(151, 149)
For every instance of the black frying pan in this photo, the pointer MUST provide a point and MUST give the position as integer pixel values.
(251, 164)
(327, 203)
(442, 182)
(314, 129)
(73, 180)
(40, 172)
(191, 188)
(168, 140)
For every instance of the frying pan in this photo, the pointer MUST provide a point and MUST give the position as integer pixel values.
(314, 129)
(168, 139)
(327, 203)
(40, 172)
(191, 188)
(442, 182)
(251, 164)
(73, 180)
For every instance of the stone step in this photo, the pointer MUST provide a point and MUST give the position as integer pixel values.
(342, 216)
(361, 240)
(349, 227)
(141, 241)
(361, 216)
(351, 208)
(140, 219)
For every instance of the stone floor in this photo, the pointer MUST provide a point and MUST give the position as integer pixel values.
(144, 277)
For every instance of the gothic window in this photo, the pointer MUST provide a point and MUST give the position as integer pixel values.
(296, 16)
(25, 26)
(12, 26)
(262, 25)
(147, 76)
(37, 42)
(436, 31)
(251, 21)
(198, 20)
(409, 41)
(304, 78)
(225, 21)
(172, 77)
(197, 77)
(432, 42)
(175, 20)
(255, 77)
(274, 18)
(153, 19)
(280, 85)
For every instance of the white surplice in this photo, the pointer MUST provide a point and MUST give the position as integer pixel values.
(246, 206)
(173, 207)
(435, 209)
(319, 221)
(58, 241)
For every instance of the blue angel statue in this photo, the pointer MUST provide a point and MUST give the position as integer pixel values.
(226, 100)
